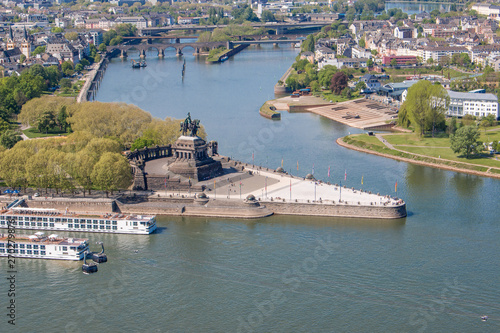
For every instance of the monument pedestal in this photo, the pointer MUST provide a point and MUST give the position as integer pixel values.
(192, 159)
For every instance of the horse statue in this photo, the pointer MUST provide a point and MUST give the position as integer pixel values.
(190, 125)
(194, 127)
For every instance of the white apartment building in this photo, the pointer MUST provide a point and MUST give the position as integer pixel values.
(436, 53)
(138, 21)
(479, 105)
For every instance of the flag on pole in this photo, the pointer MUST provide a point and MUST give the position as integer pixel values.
(252, 156)
(345, 175)
(165, 182)
(281, 162)
(328, 171)
(297, 165)
(313, 170)
(361, 180)
(396, 186)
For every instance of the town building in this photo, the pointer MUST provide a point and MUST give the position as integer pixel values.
(474, 104)
(401, 60)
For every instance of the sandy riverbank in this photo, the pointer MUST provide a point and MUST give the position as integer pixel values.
(341, 142)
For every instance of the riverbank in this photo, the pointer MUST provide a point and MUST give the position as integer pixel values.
(244, 192)
(92, 81)
(418, 159)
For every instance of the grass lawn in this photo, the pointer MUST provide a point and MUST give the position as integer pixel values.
(413, 140)
(334, 98)
(33, 133)
(448, 154)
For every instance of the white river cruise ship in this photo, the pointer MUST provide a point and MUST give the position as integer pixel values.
(56, 220)
(39, 246)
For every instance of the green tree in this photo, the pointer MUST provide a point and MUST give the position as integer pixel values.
(369, 63)
(453, 126)
(102, 47)
(62, 119)
(141, 142)
(394, 62)
(267, 16)
(488, 121)
(13, 166)
(111, 173)
(439, 101)
(362, 43)
(339, 82)
(67, 67)
(403, 116)
(97, 58)
(417, 104)
(65, 84)
(308, 44)
(79, 68)
(38, 50)
(71, 35)
(466, 141)
(9, 138)
(360, 86)
(46, 122)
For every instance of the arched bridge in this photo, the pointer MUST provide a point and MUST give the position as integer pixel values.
(196, 46)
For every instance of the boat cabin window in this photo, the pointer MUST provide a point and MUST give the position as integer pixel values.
(65, 248)
(21, 246)
(72, 248)
(42, 253)
(42, 247)
(35, 252)
(2, 250)
(28, 246)
(35, 247)
(29, 251)
(51, 224)
(64, 220)
(58, 220)
(51, 219)
(2, 244)
(115, 223)
(135, 224)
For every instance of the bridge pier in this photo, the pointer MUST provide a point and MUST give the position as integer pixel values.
(229, 45)
(142, 54)
(196, 51)
(123, 54)
(161, 53)
(177, 40)
(179, 52)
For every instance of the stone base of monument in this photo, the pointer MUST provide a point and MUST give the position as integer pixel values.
(197, 170)
(192, 159)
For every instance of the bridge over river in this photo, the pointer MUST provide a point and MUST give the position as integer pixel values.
(200, 46)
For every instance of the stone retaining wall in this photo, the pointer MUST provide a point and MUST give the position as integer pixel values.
(340, 210)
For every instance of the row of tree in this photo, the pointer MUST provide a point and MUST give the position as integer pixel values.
(80, 160)
(89, 158)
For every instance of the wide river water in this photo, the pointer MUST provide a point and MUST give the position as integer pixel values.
(435, 271)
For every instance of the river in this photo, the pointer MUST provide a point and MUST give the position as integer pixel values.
(435, 271)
